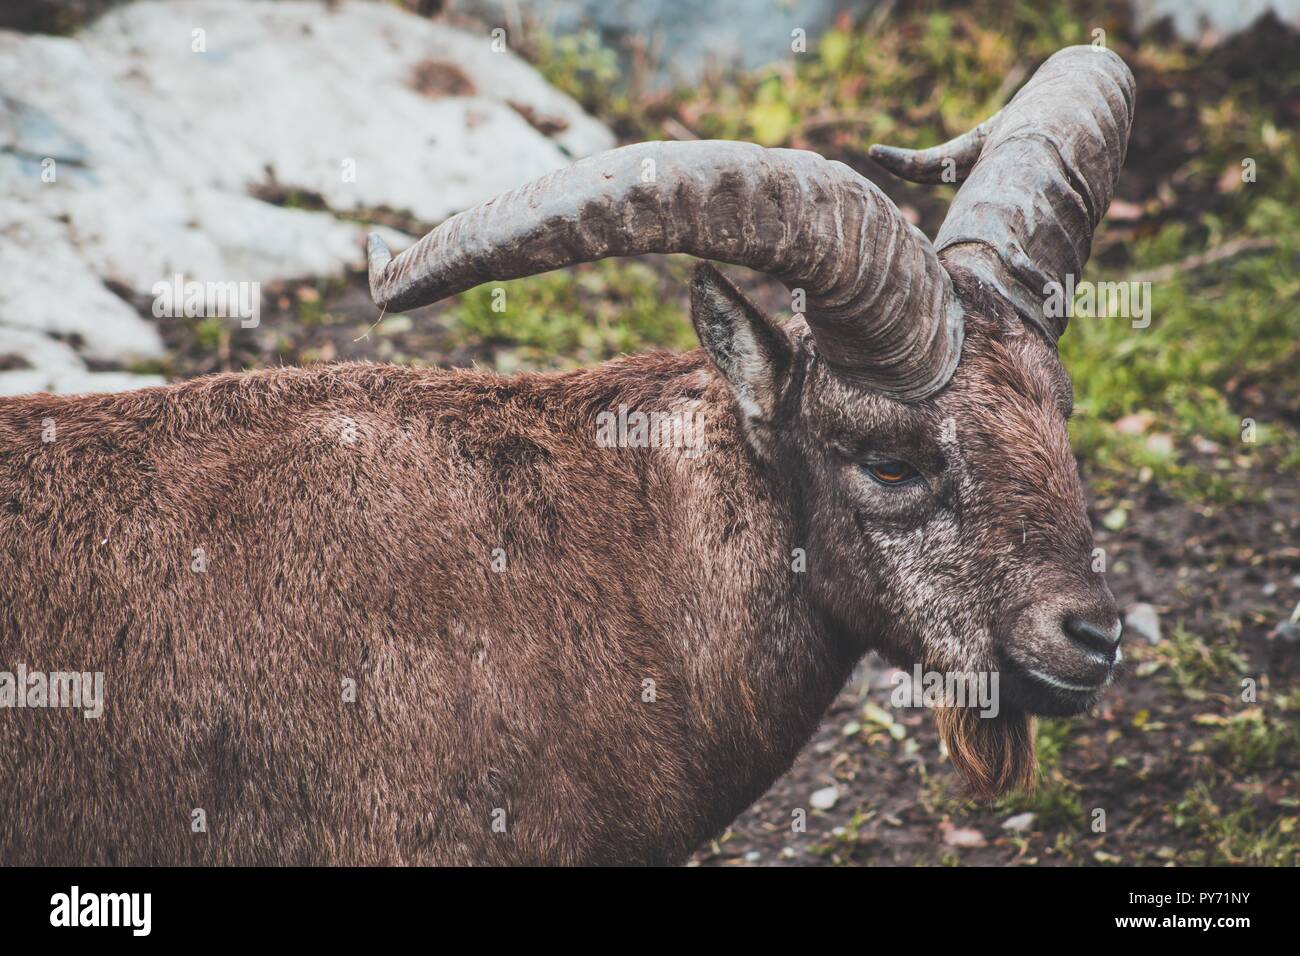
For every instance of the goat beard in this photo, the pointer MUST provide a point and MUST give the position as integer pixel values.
(995, 755)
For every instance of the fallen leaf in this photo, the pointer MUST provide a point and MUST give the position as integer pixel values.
(1134, 423)
(1230, 179)
(1122, 211)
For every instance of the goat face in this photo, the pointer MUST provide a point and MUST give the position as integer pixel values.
(960, 523)
(950, 532)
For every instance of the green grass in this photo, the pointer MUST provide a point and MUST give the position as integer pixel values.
(922, 75)
(1232, 837)
(1254, 741)
(1196, 665)
(575, 317)
(212, 334)
(1055, 802)
(1212, 328)
(1240, 322)
(581, 65)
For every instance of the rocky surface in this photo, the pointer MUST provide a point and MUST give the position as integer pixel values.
(679, 41)
(237, 142)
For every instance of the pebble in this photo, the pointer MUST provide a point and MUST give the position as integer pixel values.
(825, 798)
(964, 837)
(1144, 620)
(1019, 823)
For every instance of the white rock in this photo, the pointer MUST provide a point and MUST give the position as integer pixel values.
(962, 836)
(54, 367)
(1019, 823)
(26, 381)
(825, 798)
(157, 150)
(1143, 620)
(37, 350)
(48, 286)
(1191, 18)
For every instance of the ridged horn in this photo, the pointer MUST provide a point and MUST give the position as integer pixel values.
(1039, 175)
(881, 307)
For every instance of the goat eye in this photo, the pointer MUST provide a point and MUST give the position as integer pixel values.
(891, 472)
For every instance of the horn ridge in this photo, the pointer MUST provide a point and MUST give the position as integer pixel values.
(1044, 176)
(790, 213)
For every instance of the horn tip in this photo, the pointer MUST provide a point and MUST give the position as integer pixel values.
(885, 155)
(377, 258)
(903, 163)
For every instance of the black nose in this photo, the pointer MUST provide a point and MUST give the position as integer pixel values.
(1097, 639)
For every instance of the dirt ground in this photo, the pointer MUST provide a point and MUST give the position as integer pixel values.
(1135, 758)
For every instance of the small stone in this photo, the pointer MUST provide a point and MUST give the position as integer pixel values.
(963, 837)
(1287, 631)
(1019, 823)
(1144, 620)
(752, 856)
(825, 798)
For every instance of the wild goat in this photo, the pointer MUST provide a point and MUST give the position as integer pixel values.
(368, 614)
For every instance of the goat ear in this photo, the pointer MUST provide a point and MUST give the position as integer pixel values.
(748, 348)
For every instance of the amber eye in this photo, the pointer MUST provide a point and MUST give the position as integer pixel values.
(891, 472)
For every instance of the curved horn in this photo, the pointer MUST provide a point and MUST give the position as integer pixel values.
(1043, 176)
(881, 308)
(950, 162)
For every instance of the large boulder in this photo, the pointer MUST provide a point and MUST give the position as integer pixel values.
(138, 149)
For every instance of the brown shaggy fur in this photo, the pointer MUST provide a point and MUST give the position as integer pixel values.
(645, 665)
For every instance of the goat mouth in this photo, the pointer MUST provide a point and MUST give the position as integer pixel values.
(1071, 686)
(1052, 695)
